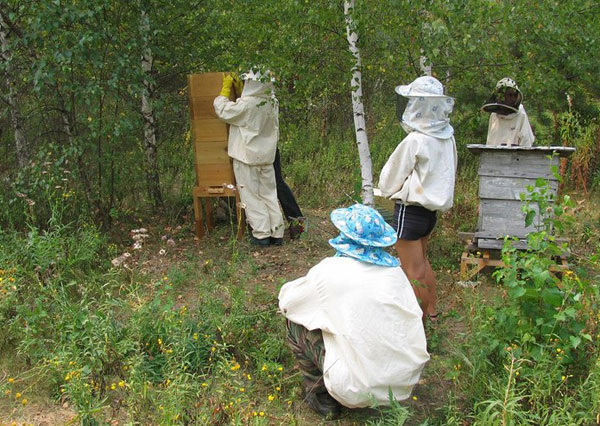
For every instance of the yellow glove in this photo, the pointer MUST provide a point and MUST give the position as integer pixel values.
(227, 83)
(238, 85)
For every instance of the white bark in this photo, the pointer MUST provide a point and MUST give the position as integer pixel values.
(16, 120)
(152, 175)
(425, 68)
(358, 110)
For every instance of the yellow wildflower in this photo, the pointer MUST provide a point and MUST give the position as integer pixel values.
(10, 380)
(271, 397)
(121, 384)
(18, 395)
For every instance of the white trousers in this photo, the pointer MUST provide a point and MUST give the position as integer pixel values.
(258, 191)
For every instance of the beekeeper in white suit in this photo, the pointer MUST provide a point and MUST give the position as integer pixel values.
(508, 124)
(419, 176)
(253, 135)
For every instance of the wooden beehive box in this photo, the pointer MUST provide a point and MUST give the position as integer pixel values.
(214, 171)
(504, 173)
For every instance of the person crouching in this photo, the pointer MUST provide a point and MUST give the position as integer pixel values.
(353, 322)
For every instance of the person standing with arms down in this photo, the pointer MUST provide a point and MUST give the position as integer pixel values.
(509, 124)
(420, 177)
(253, 136)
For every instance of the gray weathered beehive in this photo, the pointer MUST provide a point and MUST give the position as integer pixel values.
(504, 173)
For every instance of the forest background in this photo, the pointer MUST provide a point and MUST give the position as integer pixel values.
(95, 141)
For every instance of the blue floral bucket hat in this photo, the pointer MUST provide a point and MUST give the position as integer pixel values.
(364, 233)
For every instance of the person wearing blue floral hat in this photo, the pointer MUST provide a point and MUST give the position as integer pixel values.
(353, 322)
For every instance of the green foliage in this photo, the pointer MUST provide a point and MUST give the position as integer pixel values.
(394, 415)
(531, 346)
(542, 312)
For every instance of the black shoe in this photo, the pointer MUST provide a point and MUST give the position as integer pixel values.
(324, 404)
(263, 242)
(297, 227)
(276, 241)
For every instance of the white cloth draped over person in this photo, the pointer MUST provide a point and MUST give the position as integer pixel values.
(253, 136)
(371, 324)
(511, 129)
(422, 168)
(254, 120)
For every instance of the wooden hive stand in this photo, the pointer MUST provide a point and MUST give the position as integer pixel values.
(475, 259)
(214, 171)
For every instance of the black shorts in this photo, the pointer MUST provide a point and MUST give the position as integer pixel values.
(413, 222)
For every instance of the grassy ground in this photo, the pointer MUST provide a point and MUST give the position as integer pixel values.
(248, 376)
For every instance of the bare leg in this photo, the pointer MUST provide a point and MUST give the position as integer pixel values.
(412, 255)
(429, 280)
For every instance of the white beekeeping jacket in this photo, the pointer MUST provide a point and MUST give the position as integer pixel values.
(372, 328)
(254, 123)
(421, 171)
(511, 129)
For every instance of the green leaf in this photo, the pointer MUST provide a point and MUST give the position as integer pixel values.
(575, 341)
(516, 292)
(552, 296)
(529, 218)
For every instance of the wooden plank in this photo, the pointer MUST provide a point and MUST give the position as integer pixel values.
(205, 84)
(508, 188)
(203, 107)
(211, 153)
(209, 130)
(526, 164)
(211, 191)
(502, 217)
(561, 151)
(215, 174)
(486, 243)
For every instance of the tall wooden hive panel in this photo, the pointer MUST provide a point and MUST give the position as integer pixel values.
(212, 164)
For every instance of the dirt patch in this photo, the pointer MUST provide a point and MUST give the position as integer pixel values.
(37, 414)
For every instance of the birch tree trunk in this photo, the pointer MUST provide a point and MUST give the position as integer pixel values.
(425, 67)
(16, 120)
(151, 149)
(358, 110)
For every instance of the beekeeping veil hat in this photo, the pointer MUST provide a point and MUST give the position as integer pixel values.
(258, 83)
(428, 109)
(498, 102)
